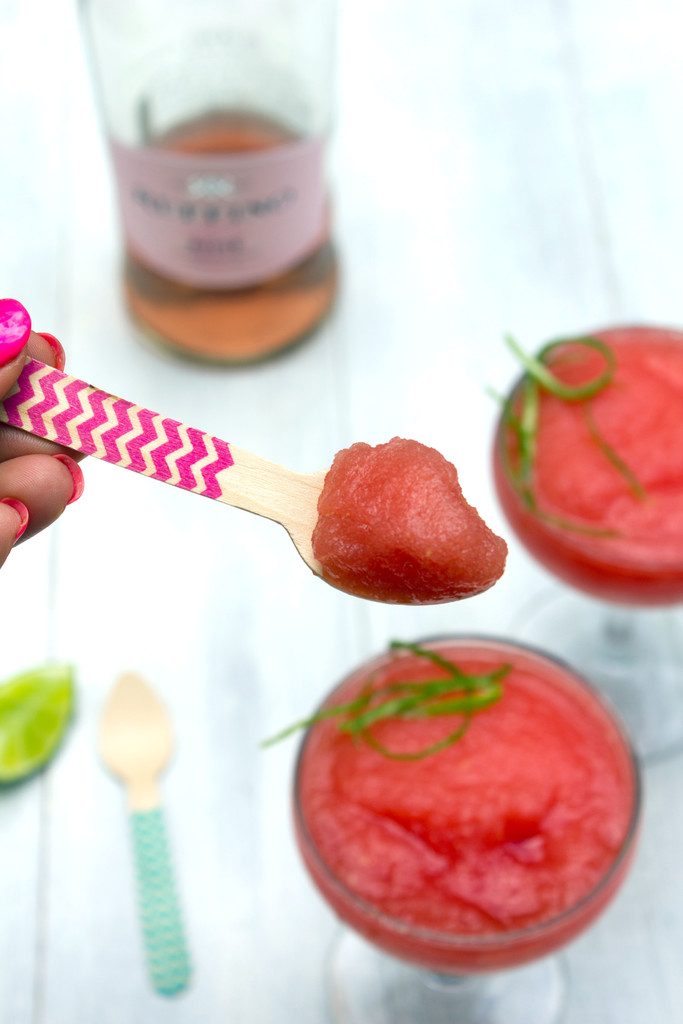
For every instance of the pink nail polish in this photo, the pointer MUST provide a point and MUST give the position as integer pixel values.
(57, 348)
(21, 511)
(76, 476)
(15, 327)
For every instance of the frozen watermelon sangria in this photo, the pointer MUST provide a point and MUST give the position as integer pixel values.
(588, 463)
(466, 806)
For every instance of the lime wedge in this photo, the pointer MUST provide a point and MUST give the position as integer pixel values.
(35, 708)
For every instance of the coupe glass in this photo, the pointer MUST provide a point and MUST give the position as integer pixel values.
(617, 624)
(389, 970)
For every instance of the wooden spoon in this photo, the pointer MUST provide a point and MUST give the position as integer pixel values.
(136, 744)
(49, 403)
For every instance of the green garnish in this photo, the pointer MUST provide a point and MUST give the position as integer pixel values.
(634, 484)
(537, 368)
(455, 694)
(521, 414)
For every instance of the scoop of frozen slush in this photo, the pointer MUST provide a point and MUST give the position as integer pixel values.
(393, 526)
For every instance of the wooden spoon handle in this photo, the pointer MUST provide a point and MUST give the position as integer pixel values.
(162, 925)
(53, 405)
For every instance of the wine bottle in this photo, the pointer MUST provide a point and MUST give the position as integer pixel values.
(217, 114)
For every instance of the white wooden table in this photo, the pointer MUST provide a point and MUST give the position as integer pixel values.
(496, 166)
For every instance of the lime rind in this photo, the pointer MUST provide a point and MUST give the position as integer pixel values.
(35, 709)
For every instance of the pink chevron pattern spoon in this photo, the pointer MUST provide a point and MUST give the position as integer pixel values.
(394, 525)
(51, 404)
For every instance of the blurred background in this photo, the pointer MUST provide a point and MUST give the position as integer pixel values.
(494, 167)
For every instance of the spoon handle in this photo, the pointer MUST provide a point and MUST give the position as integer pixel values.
(162, 924)
(51, 404)
(60, 408)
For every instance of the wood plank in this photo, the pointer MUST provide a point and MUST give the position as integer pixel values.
(215, 608)
(24, 640)
(624, 67)
(530, 239)
(623, 74)
(30, 219)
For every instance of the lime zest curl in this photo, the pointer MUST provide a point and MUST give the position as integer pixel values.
(634, 485)
(458, 693)
(537, 368)
(520, 417)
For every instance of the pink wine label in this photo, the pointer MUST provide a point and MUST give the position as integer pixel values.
(222, 221)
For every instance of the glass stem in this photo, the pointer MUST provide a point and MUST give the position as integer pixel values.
(447, 982)
(619, 632)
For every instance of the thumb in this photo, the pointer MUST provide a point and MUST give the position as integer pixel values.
(15, 328)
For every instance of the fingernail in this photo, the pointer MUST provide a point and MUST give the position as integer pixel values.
(76, 476)
(57, 348)
(21, 511)
(15, 327)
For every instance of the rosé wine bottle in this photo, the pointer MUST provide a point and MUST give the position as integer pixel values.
(217, 113)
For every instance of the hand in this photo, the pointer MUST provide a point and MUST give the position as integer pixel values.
(37, 479)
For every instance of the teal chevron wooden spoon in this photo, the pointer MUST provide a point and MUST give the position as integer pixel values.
(136, 744)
